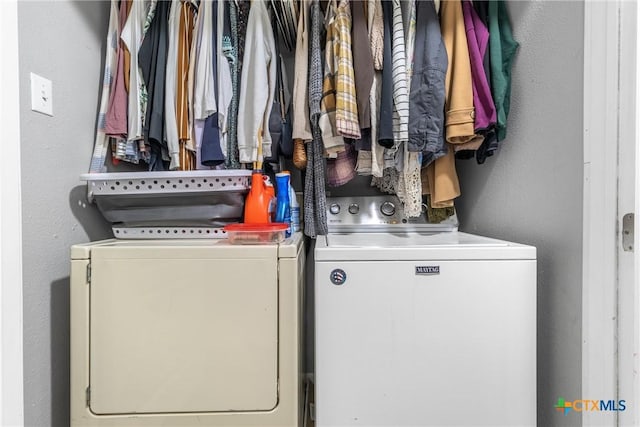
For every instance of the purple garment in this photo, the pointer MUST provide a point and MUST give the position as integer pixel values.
(478, 40)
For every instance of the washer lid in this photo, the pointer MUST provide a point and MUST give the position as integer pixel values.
(410, 246)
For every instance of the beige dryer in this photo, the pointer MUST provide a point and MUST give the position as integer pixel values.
(186, 332)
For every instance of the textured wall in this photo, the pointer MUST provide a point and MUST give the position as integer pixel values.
(62, 41)
(531, 192)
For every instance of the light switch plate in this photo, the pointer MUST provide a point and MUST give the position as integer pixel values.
(41, 95)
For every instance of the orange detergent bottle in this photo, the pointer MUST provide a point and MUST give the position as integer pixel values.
(256, 207)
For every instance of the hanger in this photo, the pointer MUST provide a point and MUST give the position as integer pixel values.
(283, 19)
(292, 15)
(279, 27)
(290, 20)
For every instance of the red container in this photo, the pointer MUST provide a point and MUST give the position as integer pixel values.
(256, 207)
(256, 234)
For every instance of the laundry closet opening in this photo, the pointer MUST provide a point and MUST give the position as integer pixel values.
(530, 191)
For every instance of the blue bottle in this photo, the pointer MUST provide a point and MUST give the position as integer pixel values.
(294, 207)
(283, 204)
(295, 211)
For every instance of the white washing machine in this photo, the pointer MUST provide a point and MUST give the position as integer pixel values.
(416, 326)
(186, 333)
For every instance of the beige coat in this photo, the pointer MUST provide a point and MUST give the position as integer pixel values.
(440, 180)
(460, 114)
(301, 120)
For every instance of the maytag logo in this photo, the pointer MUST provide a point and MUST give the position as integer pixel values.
(424, 270)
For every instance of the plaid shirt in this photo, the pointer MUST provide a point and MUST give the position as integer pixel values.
(346, 105)
(333, 141)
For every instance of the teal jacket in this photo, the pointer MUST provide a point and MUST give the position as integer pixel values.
(502, 51)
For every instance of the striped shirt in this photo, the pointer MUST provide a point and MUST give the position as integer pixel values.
(346, 105)
(399, 76)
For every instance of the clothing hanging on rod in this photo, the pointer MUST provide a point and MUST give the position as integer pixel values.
(333, 141)
(116, 119)
(101, 141)
(203, 86)
(376, 42)
(223, 77)
(406, 87)
(184, 89)
(301, 132)
(258, 83)
(280, 118)
(315, 209)
(478, 41)
(171, 119)
(363, 70)
(153, 64)
(132, 35)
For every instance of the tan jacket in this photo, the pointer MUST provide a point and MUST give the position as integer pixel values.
(460, 114)
(440, 180)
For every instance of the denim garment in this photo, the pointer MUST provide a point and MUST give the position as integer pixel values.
(427, 93)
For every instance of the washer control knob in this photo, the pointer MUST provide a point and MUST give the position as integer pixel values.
(334, 208)
(388, 208)
(354, 208)
(338, 277)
